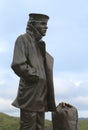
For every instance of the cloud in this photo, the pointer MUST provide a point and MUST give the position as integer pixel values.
(9, 87)
(8, 92)
(5, 104)
(83, 113)
(73, 92)
(6, 107)
(3, 46)
(62, 87)
(81, 102)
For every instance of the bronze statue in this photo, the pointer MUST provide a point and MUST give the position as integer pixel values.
(34, 66)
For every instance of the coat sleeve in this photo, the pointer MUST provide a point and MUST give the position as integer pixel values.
(19, 63)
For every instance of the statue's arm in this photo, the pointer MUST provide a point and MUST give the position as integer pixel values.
(19, 63)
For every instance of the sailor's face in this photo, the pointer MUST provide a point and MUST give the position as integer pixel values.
(42, 28)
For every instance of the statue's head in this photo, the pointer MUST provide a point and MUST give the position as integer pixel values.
(39, 21)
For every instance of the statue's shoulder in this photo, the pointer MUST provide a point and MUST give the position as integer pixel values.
(20, 38)
(27, 36)
(24, 36)
(23, 40)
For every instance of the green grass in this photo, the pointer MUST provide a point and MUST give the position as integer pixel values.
(8, 122)
(83, 125)
(12, 123)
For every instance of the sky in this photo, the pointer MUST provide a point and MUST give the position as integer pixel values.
(66, 41)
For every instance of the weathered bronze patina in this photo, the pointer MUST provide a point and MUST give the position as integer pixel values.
(34, 66)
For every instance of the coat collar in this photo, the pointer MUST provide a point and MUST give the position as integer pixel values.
(34, 32)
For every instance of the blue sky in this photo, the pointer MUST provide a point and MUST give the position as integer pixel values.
(66, 40)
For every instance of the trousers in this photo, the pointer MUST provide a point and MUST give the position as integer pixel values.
(31, 120)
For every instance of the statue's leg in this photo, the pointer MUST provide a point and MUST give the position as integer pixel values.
(40, 120)
(27, 120)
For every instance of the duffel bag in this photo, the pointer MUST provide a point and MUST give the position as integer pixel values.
(65, 117)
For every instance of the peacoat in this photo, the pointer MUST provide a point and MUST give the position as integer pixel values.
(34, 66)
